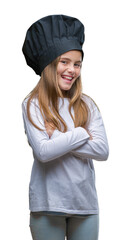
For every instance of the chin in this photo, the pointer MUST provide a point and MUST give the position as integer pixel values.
(65, 89)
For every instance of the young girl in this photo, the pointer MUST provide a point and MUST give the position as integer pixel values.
(65, 130)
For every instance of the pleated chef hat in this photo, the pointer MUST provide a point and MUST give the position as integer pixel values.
(50, 37)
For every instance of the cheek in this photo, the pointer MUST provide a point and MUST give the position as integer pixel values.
(78, 72)
(60, 69)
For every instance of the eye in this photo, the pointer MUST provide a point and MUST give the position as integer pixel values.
(63, 61)
(78, 65)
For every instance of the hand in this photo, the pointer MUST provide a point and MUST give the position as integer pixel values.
(91, 138)
(49, 128)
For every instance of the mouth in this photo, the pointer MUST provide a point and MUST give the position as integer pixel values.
(67, 78)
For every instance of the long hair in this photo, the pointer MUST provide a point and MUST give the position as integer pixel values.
(47, 91)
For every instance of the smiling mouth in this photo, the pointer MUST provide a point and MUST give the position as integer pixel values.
(68, 78)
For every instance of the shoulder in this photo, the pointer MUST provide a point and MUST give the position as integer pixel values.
(31, 105)
(33, 102)
(31, 111)
(89, 101)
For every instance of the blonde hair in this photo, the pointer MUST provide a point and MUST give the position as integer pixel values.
(47, 92)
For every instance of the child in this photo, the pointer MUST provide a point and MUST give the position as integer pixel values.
(65, 130)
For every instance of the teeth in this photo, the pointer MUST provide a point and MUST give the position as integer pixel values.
(69, 78)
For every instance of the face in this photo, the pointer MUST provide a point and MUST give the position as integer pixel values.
(69, 69)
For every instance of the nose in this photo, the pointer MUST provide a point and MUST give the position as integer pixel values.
(71, 69)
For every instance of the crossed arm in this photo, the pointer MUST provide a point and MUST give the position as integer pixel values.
(50, 143)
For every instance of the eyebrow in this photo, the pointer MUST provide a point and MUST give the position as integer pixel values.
(64, 58)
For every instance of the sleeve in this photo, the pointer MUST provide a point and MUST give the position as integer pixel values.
(97, 148)
(44, 148)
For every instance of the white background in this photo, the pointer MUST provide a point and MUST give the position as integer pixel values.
(106, 77)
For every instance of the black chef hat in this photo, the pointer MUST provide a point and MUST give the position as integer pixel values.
(50, 37)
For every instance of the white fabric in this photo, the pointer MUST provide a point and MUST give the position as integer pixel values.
(63, 177)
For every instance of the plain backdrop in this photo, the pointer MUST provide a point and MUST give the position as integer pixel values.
(106, 75)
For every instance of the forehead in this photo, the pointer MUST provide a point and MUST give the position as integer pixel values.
(73, 55)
